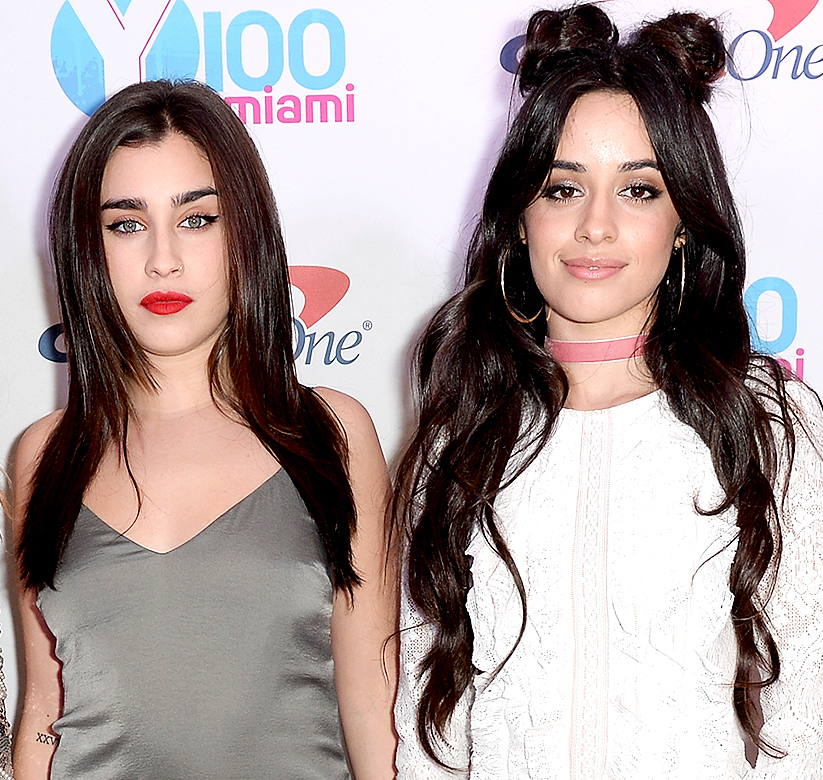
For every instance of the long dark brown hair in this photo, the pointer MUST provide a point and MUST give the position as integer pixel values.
(251, 365)
(488, 391)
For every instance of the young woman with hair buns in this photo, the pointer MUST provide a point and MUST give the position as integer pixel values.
(611, 506)
(200, 538)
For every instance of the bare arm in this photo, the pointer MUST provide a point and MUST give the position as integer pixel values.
(35, 741)
(364, 631)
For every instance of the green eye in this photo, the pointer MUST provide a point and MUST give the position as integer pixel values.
(125, 226)
(198, 221)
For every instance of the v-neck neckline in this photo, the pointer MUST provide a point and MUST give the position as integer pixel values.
(203, 530)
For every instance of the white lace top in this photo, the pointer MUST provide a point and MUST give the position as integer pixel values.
(625, 668)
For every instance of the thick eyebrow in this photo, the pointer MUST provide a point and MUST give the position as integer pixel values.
(124, 204)
(565, 165)
(190, 197)
(631, 165)
(637, 165)
(138, 204)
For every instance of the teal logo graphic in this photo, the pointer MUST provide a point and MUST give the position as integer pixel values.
(123, 40)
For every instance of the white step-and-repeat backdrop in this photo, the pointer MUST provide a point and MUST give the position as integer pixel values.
(379, 124)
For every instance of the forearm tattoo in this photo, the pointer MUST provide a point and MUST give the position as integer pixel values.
(47, 739)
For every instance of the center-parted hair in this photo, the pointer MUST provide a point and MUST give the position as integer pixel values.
(489, 395)
(251, 365)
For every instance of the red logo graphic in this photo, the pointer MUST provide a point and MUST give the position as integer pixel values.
(322, 288)
(788, 14)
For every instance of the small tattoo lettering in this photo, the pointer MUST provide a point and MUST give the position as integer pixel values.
(47, 739)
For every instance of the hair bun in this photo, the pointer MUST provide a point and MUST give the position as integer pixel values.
(693, 44)
(551, 32)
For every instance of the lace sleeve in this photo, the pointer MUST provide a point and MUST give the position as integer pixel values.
(412, 761)
(793, 707)
(5, 730)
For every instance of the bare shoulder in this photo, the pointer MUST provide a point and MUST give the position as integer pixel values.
(348, 410)
(353, 416)
(367, 465)
(28, 453)
(34, 438)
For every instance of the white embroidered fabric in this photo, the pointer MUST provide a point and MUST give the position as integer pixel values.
(625, 668)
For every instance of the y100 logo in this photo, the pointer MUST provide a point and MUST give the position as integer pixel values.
(773, 287)
(95, 45)
(321, 290)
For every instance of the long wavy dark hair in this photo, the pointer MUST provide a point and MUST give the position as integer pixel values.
(251, 365)
(488, 391)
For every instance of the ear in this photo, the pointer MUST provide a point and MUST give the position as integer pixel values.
(680, 239)
(521, 229)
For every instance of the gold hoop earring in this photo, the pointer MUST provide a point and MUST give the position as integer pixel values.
(682, 277)
(516, 315)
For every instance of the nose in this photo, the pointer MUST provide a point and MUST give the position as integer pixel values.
(597, 219)
(164, 257)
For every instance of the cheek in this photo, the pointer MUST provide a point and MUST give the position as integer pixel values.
(220, 275)
(117, 278)
(550, 235)
(219, 285)
(543, 258)
(657, 243)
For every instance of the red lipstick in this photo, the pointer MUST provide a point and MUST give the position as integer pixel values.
(165, 302)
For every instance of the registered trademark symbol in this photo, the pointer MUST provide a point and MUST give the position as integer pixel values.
(367, 324)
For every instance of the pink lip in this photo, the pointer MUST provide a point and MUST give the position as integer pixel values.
(592, 269)
(165, 302)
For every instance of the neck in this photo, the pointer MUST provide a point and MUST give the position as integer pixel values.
(182, 386)
(603, 373)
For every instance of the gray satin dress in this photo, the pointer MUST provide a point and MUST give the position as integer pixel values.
(212, 660)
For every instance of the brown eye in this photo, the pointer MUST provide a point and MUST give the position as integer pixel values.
(641, 192)
(562, 192)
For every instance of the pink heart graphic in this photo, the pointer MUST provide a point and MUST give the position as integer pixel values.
(788, 14)
(323, 288)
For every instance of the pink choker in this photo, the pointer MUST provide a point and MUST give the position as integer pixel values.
(605, 351)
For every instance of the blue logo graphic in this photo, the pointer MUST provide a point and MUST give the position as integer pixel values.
(508, 54)
(788, 313)
(117, 47)
(169, 47)
(796, 61)
(47, 345)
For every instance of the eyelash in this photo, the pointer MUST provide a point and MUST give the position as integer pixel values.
(553, 190)
(650, 192)
(208, 219)
(118, 225)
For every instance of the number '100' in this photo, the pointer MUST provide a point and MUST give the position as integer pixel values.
(275, 45)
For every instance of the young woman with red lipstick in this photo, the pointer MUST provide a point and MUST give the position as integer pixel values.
(611, 506)
(200, 538)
